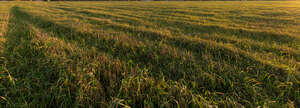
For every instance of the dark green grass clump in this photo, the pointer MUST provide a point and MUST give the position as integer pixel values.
(154, 54)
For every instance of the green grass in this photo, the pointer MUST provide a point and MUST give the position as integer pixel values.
(150, 54)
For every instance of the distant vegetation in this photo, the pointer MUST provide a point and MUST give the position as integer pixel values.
(150, 54)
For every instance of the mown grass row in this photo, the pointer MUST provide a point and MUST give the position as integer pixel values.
(93, 56)
(261, 47)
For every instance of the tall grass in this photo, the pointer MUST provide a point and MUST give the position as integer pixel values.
(154, 54)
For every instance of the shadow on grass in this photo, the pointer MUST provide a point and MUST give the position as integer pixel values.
(219, 54)
(202, 48)
(36, 75)
(208, 29)
(51, 81)
(240, 61)
(197, 29)
(104, 16)
(189, 28)
(181, 42)
(255, 19)
(143, 55)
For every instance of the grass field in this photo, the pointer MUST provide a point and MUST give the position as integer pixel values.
(150, 54)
